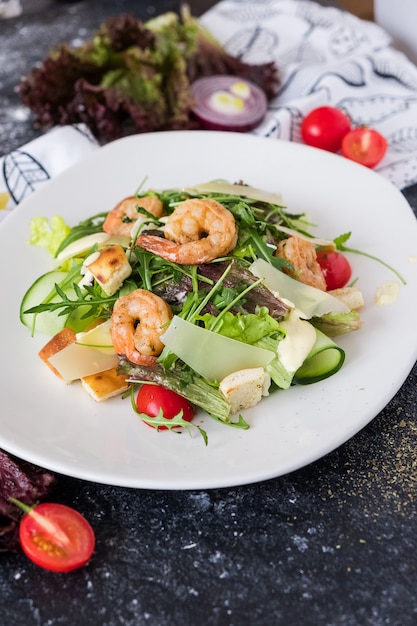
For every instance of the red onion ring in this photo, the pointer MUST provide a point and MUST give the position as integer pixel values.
(224, 102)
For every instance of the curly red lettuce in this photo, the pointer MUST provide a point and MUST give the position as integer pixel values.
(25, 482)
(133, 77)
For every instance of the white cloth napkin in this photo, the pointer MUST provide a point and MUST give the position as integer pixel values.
(26, 169)
(326, 56)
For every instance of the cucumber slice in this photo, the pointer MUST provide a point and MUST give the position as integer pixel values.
(43, 290)
(325, 359)
(76, 320)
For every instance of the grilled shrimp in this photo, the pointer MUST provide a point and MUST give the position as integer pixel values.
(125, 216)
(138, 322)
(302, 256)
(197, 231)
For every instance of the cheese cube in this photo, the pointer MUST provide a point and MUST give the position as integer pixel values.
(104, 385)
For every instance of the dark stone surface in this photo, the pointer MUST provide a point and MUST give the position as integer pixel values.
(333, 544)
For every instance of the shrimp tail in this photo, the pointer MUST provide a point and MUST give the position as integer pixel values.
(142, 359)
(196, 232)
(168, 250)
(138, 319)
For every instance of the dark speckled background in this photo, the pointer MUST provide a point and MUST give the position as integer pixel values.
(333, 544)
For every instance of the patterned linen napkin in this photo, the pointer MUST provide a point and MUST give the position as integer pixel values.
(26, 169)
(327, 57)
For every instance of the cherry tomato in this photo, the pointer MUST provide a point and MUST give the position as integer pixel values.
(56, 537)
(152, 398)
(335, 267)
(364, 145)
(325, 128)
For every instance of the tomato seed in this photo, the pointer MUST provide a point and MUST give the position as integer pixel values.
(48, 546)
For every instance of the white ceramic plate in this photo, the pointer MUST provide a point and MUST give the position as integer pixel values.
(62, 429)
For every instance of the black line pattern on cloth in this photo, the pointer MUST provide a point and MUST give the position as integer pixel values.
(403, 147)
(314, 15)
(385, 69)
(244, 11)
(292, 126)
(329, 56)
(310, 54)
(406, 164)
(273, 130)
(85, 132)
(345, 40)
(314, 19)
(283, 123)
(372, 110)
(23, 174)
(404, 140)
(305, 81)
(254, 41)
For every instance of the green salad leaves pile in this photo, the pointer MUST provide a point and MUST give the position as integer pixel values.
(238, 306)
(133, 76)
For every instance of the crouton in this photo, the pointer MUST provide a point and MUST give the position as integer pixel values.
(351, 296)
(110, 267)
(244, 388)
(58, 342)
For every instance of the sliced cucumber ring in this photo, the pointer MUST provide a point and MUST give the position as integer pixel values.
(42, 291)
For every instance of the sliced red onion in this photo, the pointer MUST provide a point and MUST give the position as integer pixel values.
(224, 102)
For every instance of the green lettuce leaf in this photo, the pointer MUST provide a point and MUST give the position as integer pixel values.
(334, 324)
(133, 76)
(247, 328)
(48, 232)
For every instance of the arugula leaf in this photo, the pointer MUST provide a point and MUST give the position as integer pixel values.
(340, 245)
(341, 240)
(170, 423)
(89, 297)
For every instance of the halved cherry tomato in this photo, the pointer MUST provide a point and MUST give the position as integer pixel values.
(152, 398)
(364, 145)
(325, 128)
(336, 269)
(56, 537)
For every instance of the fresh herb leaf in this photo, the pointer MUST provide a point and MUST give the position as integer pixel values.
(341, 240)
(90, 297)
(133, 76)
(340, 245)
(169, 423)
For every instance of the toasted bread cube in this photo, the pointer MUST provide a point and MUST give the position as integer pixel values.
(110, 267)
(351, 296)
(244, 388)
(58, 342)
